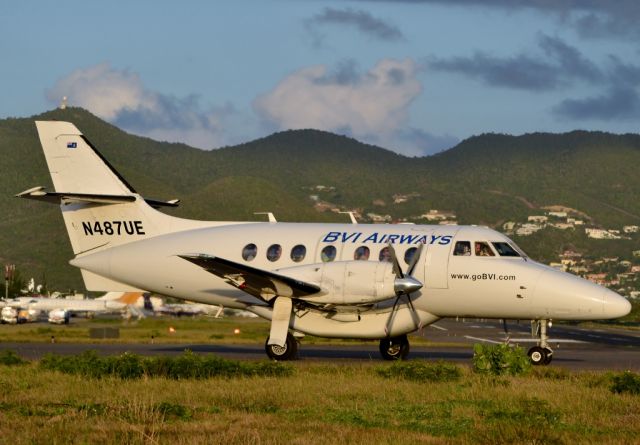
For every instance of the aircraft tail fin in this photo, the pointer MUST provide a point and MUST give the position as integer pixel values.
(75, 164)
(99, 207)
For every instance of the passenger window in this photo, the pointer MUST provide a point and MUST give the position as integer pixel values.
(483, 249)
(385, 255)
(249, 252)
(273, 252)
(504, 249)
(328, 254)
(463, 248)
(361, 253)
(298, 253)
(408, 255)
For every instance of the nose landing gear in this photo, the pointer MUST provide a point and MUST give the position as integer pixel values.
(541, 354)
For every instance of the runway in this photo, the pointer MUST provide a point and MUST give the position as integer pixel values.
(575, 348)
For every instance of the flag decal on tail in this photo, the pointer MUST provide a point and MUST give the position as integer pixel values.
(72, 145)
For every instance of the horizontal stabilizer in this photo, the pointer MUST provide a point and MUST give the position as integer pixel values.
(260, 283)
(40, 194)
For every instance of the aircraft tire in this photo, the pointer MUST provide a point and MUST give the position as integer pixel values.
(278, 353)
(539, 356)
(394, 348)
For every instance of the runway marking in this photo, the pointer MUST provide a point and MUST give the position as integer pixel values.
(524, 340)
(438, 327)
(551, 340)
(483, 339)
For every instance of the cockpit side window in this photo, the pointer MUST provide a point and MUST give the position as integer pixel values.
(504, 249)
(462, 248)
(483, 249)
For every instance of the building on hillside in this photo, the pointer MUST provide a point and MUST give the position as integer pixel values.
(631, 229)
(379, 218)
(537, 219)
(528, 229)
(562, 226)
(579, 270)
(438, 215)
(558, 214)
(598, 278)
(558, 266)
(571, 254)
(508, 226)
(600, 234)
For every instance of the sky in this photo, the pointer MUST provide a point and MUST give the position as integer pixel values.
(412, 76)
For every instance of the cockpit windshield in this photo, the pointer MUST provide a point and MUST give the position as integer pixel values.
(505, 249)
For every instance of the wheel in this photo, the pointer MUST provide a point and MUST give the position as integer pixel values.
(287, 352)
(539, 356)
(394, 348)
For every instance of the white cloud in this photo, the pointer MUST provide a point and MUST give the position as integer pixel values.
(373, 106)
(120, 97)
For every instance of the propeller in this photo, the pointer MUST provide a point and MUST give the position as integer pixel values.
(404, 284)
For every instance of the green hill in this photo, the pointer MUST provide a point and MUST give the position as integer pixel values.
(486, 179)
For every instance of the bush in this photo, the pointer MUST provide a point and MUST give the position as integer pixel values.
(186, 366)
(420, 371)
(10, 358)
(500, 359)
(626, 382)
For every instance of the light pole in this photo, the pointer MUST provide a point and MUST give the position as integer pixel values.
(9, 269)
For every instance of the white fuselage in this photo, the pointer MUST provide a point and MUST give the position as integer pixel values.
(454, 285)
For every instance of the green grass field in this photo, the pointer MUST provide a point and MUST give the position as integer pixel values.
(316, 404)
(185, 330)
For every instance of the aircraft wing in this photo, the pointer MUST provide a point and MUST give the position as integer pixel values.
(260, 283)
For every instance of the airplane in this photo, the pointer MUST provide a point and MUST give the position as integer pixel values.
(360, 281)
(109, 303)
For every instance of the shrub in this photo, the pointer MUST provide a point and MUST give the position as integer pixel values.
(185, 366)
(626, 382)
(420, 371)
(500, 359)
(176, 410)
(10, 358)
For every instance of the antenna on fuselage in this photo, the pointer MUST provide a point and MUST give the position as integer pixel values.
(272, 218)
(352, 216)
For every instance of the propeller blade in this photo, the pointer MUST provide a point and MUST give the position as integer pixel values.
(414, 259)
(397, 270)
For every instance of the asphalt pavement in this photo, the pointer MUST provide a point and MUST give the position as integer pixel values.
(575, 347)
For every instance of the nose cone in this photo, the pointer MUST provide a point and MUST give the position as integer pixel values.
(406, 285)
(565, 296)
(615, 306)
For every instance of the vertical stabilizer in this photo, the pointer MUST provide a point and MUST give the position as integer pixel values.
(75, 165)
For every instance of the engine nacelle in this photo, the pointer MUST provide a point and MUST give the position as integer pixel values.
(347, 282)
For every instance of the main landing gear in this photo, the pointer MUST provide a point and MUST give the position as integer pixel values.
(394, 348)
(542, 353)
(287, 352)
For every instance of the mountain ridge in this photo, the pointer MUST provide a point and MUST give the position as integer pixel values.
(486, 179)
